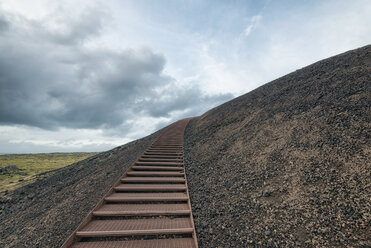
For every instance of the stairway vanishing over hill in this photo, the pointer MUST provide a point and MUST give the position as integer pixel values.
(148, 207)
(288, 164)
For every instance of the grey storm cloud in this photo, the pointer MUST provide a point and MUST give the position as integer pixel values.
(3, 24)
(49, 79)
(78, 28)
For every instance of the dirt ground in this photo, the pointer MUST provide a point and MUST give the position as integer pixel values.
(288, 164)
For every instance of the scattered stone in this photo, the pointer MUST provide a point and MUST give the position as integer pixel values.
(31, 196)
(267, 193)
(267, 233)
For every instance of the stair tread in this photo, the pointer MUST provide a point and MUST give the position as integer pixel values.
(160, 163)
(153, 179)
(155, 226)
(118, 197)
(160, 160)
(155, 173)
(139, 209)
(170, 168)
(150, 187)
(152, 243)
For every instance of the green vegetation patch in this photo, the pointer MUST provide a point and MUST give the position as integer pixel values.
(17, 170)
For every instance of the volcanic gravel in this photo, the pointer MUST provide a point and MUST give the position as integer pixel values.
(288, 164)
(45, 213)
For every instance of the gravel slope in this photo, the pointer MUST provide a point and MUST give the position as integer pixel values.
(45, 213)
(288, 164)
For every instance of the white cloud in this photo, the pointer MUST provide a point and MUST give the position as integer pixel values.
(52, 80)
(254, 22)
(24, 139)
(285, 40)
(203, 57)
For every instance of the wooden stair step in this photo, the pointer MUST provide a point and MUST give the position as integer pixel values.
(164, 153)
(142, 209)
(131, 227)
(158, 168)
(150, 187)
(137, 197)
(156, 173)
(164, 150)
(160, 156)
(176, 160)
(169, 143)
(167, 146)
(153, 179)
(159, 163)
(151, 243)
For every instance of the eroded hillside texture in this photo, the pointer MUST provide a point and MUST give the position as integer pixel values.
(288, 164)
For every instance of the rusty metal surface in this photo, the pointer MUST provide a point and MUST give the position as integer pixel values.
(159, 243)
(153, 179)
(157, 168)
(101, 227)
(142, 209)
(150, 200)
(150, 187)
(142, 197)
(155, 173)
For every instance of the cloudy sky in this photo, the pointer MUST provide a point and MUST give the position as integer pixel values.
(92, 75)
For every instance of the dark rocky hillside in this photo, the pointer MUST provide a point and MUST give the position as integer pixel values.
(288, 164)
(45, 213)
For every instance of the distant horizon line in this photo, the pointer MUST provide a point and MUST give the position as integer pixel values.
(1, 154)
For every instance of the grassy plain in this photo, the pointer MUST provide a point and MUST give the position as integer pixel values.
(17, 170)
